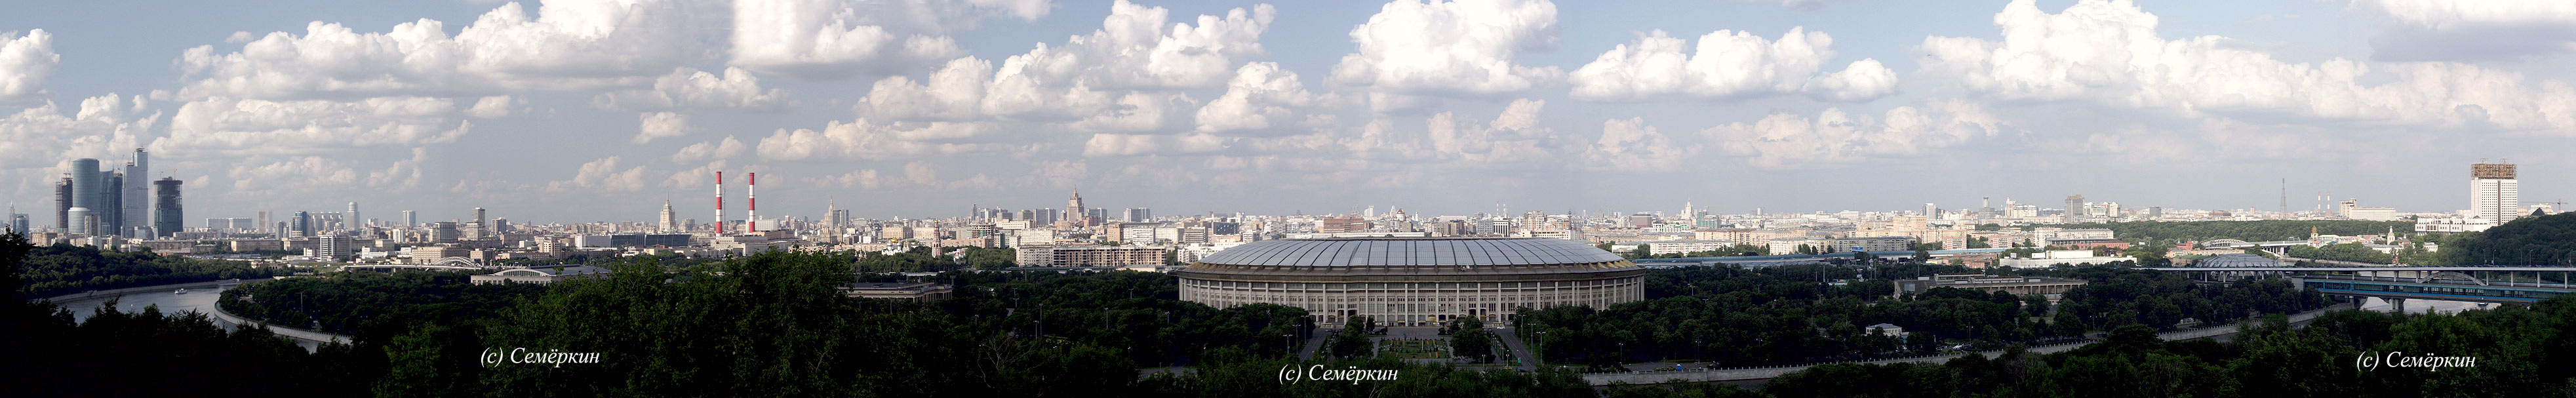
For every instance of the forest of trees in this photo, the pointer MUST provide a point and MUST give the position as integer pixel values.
(2159, 300)
(2251, 231)
(1782, 315)
(64, 269)
(2342, 252)
(2549, 239)
(2520, 351)
(373, 303)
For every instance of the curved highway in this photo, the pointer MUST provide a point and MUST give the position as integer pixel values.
(199, 299)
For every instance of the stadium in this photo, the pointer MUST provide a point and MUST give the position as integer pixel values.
(1413, 281)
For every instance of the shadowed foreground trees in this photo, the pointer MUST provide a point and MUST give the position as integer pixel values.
(43, 353)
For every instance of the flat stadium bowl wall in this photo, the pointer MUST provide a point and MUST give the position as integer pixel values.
(1413, 281)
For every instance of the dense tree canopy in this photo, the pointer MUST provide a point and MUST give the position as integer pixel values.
(2549, 239)
(2341, 252)
(62, 269)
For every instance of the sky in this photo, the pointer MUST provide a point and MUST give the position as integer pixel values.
(600, 110)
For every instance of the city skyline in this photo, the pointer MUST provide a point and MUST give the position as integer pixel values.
(1841, 105)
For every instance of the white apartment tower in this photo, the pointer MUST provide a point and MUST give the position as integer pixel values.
(2494, 192)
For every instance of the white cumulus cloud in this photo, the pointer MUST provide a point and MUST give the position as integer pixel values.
(1514, 136)
(1729, 64)
(692, 89)
(25, 61)
(1451, 47)
(601, 175)
(1833, 137)
(1632, 145)
(567, 44)
(2108, 51)
(863, 139)
(1136, 50)
(1260, 93)
(250, 126)
(661, 124)
(711, 150)
(103, 127)
(835, 39)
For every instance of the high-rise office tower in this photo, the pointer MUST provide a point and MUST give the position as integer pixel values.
(81, 221)
(482, 227)
(267, 226)
(63, 204)
(669, 221)
(111, 221)
(301, 225)
(351, 221)
(2074, 208)
(134, 210)
(833, 221)
(1139, 214)
(411, 218)
(85, 193)
(17, 221)
(2495, 191)
(1931, 211)
(165, 207)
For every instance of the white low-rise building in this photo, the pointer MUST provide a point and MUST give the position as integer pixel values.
(2054, 258)
(1664, 247)
(541, 276)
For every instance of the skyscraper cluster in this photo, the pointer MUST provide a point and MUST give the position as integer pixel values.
(93, 201)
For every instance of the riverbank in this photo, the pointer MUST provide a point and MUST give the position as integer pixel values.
(211, 308)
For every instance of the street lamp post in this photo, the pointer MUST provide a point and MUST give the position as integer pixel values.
(1541, 354)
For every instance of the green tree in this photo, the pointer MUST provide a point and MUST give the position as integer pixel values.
(1353, 340)
(1472, 340)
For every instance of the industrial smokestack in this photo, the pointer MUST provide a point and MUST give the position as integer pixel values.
(720, 221)
(751, 197)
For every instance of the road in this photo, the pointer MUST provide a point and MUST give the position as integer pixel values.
(169, 302)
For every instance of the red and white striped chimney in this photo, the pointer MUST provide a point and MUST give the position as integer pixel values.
(720, 203)
(752, 224)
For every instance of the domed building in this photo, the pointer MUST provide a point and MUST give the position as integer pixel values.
(1413, 281)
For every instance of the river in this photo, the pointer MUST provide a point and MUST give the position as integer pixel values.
(2422, 306)
(199, 300)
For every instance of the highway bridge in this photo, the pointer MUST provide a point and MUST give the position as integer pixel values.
(2504, 284)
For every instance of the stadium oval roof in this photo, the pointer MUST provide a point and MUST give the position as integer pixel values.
(1411, 260)
(1411, 252)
